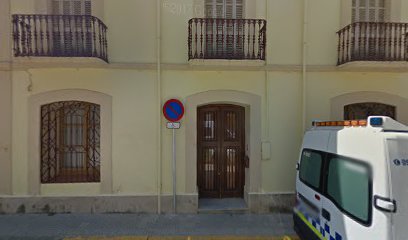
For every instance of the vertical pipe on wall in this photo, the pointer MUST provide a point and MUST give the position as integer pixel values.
(6, 108)
(304, 62)
(267, 82)
(159, 101)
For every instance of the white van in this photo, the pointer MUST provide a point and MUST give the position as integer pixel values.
(352, 181)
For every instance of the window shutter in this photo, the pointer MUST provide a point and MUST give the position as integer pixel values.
(77, 8)
(209, 8)
(239, 9)
(230, 9)
(71, 7)
(219, 9)
(66, 7)
(368, 11)
(55, 7)
(88, 8)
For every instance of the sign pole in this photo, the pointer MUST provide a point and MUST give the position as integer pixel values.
(174, 173)
(173, 111)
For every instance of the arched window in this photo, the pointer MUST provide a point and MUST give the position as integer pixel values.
(70, 142)
(364, 110)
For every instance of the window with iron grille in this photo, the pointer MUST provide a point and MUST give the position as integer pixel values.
(364, 110)
(70, 142)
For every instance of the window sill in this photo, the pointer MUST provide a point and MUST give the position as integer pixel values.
(70, 189)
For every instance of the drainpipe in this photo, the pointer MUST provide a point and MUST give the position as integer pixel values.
(10, 68)
(304, 62)
(267, 81)
(159, 101)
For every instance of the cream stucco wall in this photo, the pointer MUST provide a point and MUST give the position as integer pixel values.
(133, 131)
(131, 81)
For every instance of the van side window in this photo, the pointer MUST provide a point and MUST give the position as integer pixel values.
(348, 186)
(310, 168)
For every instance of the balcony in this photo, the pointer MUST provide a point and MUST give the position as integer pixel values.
(59, 36)
(230, 39)
(373, 41)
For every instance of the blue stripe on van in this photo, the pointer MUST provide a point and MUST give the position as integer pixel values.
(322, 232)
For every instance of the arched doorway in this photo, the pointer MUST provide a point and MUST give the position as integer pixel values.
(220, 151)
(364, 110)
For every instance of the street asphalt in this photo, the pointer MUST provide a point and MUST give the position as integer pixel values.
(46, 227)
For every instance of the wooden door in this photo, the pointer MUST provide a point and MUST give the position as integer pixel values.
(221, 151)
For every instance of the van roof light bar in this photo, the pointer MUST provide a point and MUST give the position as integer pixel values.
(350, 123)
(385, 123)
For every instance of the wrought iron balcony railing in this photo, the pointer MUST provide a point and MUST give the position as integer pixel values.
(373, 41)
(59, 36)
(216, 38)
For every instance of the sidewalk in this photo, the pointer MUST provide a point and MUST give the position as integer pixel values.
(46, 227)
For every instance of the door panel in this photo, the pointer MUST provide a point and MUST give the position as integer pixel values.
(220, 167)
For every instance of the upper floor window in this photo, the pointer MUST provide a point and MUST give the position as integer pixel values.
(70, 142)
(229, 9)
(71, 7)
(368, 11)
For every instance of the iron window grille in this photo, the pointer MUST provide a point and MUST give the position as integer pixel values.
(70, 142)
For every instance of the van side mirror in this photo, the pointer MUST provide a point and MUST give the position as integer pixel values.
(385, 204)
(297, 166)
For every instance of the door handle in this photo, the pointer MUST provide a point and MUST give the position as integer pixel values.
(326, 214)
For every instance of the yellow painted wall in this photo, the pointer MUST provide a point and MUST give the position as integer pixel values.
(322, 87)
(134, 129)
(132, 39)
(284, 33)
(132, 30)
(134, 118)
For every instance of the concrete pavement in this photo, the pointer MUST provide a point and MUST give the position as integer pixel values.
(44, 227)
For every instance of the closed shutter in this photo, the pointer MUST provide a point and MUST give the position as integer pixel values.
(229, 9)
(228, 43)
(234, 9)
(67, 31)
(367, 40)
(368, 11)
(71, 7)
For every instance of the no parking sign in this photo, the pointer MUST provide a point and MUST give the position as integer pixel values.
(173, 110)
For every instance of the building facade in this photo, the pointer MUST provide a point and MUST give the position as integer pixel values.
(83, 83)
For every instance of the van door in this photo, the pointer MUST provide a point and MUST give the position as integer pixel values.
(308, 185)
(346, 205)
(398, 164)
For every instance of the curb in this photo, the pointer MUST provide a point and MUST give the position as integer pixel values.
(186, 238)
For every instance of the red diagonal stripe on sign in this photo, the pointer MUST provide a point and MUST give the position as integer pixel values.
(173, 110)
